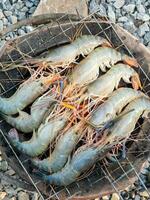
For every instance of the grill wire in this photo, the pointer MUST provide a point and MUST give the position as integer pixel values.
(106, 30)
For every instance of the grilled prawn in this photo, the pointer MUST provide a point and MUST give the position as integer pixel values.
(129, 117)
(102, 57)
(113, 106)
(62, 151)
(28, 122)
(67, 54)
(80, 162)
(105, 85)
(40, 139)
(26, 94)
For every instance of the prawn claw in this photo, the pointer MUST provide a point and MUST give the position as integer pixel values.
(13, 134)
(136, 83)
(130, 61)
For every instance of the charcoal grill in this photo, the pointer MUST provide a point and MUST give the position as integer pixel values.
(104, 179)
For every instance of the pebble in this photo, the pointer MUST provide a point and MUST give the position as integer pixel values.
(21, 15)
(7, 13)
(10, 172)
(129, 8)
(143, 29)
(19, 5)
(123, 19)
(105, 198)
(10, 191)
(3, 165)
(29, 29)
(1, 14)
(143, 17)
(144, 194)
(119, 3)
(141, 8)
(2, 195)
(111, 14)
(102, 10)
(23, 196)
(115, 196)
(29, 4)
(21, 32)
(12, 19)
(32, 9)
(5, 21)
(137, 197)
(35, 196)
(1, 25)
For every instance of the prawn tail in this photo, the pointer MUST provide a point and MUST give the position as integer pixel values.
(130, 61)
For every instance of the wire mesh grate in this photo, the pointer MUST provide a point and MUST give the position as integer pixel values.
(33, 44)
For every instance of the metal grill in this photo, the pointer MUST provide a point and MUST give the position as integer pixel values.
(104, 179)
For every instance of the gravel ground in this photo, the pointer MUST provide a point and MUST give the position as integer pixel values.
(133, 15)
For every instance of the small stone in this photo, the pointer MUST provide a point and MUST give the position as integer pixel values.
(144, 194)
(130, 26)
(32, 9)
(1, 25)
(147, 37)
(142, 30)
(10, 191)
(119, 3)
(2, 195)
(7, 13)
(19, 5)
(141, 8)
(123, 19)
(21, 15)
(129, 8)
(23, 196)
(13, 19)
(21, 32)
(111, 14)
(1, 14)
(105, 198)
(10, 172)
(28, 29)
(143, 17)
(35, 196)
(137, 197)
(29, 4)
(5, 21)
(3, 165)
(115, 196)
(24, 9)
(102, 10)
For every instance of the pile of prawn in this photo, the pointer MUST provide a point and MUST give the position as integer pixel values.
(84, 101)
